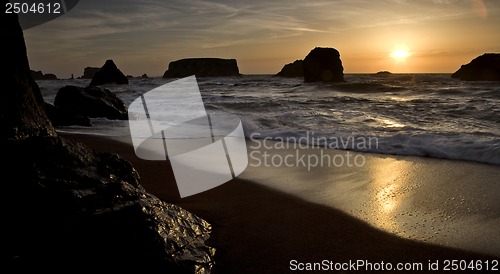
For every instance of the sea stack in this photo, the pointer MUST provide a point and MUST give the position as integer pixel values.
(89, 72)
(109, 73)
(202, 67)
(483, 68)
(323, 64)
(295, 69)
(38, 75)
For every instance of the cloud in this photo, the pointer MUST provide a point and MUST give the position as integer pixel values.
(170, 29)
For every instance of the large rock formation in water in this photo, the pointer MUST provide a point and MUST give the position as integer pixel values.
(89, 72)
(109, 73)
(91, 101)
(323, 64)
(483, 68)
(68, 208)
(202, 67)
(38, 75)
(295, 69)
(62, 117)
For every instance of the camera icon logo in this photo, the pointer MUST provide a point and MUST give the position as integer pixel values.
(170, 123)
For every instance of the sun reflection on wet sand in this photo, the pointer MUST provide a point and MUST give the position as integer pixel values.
(387, 190)
(387, 197)
(443, 202)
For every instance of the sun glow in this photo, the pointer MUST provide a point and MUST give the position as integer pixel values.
(400, 54)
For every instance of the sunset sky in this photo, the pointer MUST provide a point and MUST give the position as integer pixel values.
(144, 36)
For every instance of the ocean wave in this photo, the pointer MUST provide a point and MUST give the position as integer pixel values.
(421, 115)
(367, 87)
(443, 146)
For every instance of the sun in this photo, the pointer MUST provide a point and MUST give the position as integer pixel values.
(399, 54)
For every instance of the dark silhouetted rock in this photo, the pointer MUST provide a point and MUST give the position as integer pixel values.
(109, 73)
(38, 75)
(21, 102)
(91, 101)
(295, 69)
(89, 72)
(323, 64)
(202, 67)
(129, 76)
(144, 76)
(68, 207)
(382, 74)
(59, 117)
(483, 68)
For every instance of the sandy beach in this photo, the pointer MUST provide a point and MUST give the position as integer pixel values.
(269, 216)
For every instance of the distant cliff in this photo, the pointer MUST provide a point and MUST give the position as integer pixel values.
(202, 67)
(483, 68)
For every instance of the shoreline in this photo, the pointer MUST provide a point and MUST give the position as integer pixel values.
(259, 227)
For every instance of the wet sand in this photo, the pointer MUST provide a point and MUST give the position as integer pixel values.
(272, 215)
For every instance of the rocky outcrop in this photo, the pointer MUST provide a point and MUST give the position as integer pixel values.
(62, 117)
(202, 67)
(109, 73)
(21, 102)
(384, 73)
(72, 206)
(295, 69)
(38, 75)
(144, 76)
(483, 68)
(323, 64)
(67, 207)
(91, 101)
(89, 72)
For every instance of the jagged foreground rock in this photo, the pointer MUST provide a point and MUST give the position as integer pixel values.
(65, 207)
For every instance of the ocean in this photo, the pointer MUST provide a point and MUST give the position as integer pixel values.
(430, 115)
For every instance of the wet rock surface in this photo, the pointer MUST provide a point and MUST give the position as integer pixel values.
(71, 206)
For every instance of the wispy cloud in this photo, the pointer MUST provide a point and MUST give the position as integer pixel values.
(169, 29)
